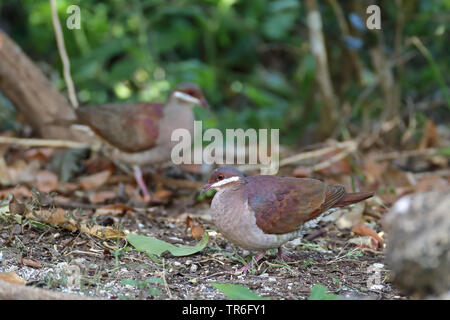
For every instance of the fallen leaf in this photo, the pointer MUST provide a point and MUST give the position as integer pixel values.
(362, 229)
(102, 232)
(101, 196)
(66, 220)
(42, 154)
(162, 195)
(115, 210)
(11, 277)
(352, 216)
(432, 183)
(301, 172)
(67, 187)
(18, 192)
(237, 292)
(430, 138)
(197, 229)
(95, 181)
(319, 292)
(58, 217)
(339, 167)
(15, 207)
(365, 242)
(153, 246)
(374, 170)
(30, 263)
(20, 172)
(46, 181)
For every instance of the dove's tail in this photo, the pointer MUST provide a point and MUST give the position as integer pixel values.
(350, 198)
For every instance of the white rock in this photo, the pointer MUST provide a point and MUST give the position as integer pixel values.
(193, 268)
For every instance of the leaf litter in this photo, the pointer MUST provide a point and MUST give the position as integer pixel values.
(125, 248)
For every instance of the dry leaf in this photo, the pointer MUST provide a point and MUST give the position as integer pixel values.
(18, 192)
(351, 217)
(362, 229)
(339, 167)
(197, 229)
(46, 181)
(430, 138)
(301, 172)
(101, 196)
(19, 172)
(30, 263)
(101, 232)
(42, 154)
(118, 209)
(365, 242)
(65, 220)
(11, 277)
(15, 207)
(162, 195)
(58, 217)
(374, 170)
(95, 181)
(432, 183)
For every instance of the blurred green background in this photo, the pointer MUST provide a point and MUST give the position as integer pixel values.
(252, 58)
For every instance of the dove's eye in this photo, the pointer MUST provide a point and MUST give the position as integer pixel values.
(220, 177)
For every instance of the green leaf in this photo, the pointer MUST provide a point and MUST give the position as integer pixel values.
(319, 292)
(154, 291)
(155, 246)
(444, 151)
(237, 292)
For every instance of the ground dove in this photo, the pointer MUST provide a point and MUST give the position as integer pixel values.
(140, 133)
(263, 212)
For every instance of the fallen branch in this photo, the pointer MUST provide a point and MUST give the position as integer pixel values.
(349, 145)
(50, 143)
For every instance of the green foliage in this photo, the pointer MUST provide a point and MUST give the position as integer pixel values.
(252, 58)
(237, 292)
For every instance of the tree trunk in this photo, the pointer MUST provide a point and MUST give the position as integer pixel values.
(329, 114)
(32, 93)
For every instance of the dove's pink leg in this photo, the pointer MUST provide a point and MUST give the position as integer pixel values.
(141, 183)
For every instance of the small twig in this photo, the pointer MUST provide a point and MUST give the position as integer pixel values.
(349, 145)
(63, 55)
(44, 143)
(324, 164)
(406, 154)
(163, 273)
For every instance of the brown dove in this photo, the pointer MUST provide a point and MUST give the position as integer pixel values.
(263, 212)
(140, 133)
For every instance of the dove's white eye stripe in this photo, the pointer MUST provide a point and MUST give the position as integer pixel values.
(225, 181)
(185, 97)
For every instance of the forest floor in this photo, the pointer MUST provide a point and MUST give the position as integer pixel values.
(41, 257)
(70, 236)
